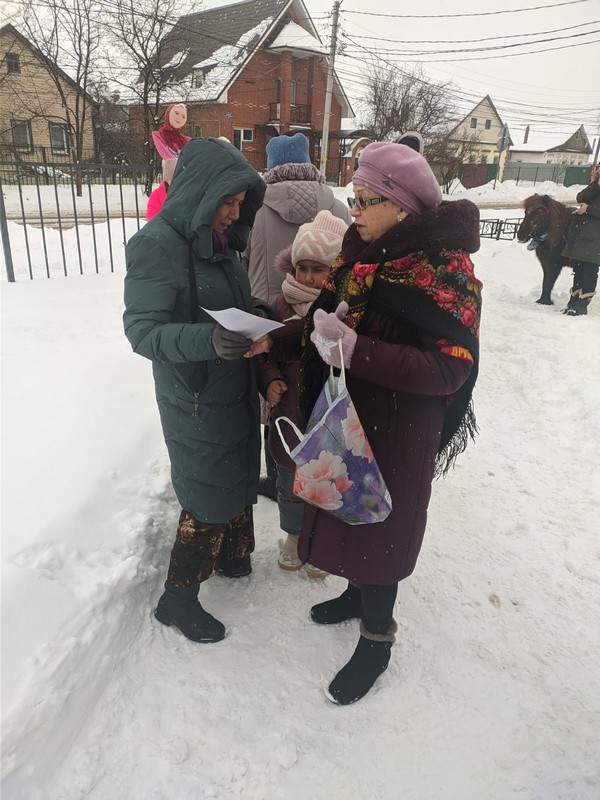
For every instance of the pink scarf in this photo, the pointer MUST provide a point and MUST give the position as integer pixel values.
(298, 296)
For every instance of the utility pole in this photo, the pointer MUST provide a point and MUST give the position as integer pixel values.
(329, 88)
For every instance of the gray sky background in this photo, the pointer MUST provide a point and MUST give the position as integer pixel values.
(554, 90)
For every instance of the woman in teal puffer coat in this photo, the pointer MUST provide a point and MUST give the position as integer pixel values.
(182, 261)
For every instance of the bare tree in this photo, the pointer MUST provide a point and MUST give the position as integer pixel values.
(147, 68)
(114, 142)
(397, 101)
(446, 155)
(67, 34)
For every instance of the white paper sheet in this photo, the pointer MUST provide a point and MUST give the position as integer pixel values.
(248, 325)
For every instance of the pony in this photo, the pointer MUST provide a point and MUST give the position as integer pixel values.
(544, 226)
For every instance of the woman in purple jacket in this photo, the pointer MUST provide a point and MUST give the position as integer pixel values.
(404, 300)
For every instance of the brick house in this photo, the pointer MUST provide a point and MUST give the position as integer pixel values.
(250, 71)
(34, 125)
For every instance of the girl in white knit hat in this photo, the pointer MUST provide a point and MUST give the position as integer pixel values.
(305, 265)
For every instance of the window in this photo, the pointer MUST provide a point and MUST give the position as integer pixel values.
(22, 139)
(473, 122)
(293, 93)
(59, 137)
(488, 124)
(13, 65)
(197, 77)
(241, 135)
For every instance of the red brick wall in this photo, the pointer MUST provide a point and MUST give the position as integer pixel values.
(248, 104)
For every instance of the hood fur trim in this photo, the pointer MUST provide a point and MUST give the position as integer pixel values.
(283, 262)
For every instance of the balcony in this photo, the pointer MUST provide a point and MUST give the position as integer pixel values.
(299, 115)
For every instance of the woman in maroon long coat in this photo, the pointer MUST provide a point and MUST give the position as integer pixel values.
(404, 299)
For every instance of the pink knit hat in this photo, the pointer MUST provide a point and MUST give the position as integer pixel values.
(399, 174)
(319, 240)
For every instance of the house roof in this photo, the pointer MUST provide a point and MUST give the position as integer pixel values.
(487, 99)
(293, 37)
(10, 30)
(220, 41)
(578, 142)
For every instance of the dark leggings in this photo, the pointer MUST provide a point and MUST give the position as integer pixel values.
(202, 547)
(585, 280)
(378, 606)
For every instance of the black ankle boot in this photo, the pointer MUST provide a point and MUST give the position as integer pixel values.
(368, 662)
(267, 488)
(234, 567)
(179, 606)
(347, 606)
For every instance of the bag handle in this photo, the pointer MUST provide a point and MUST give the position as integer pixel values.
(293, 426)
(337, 383)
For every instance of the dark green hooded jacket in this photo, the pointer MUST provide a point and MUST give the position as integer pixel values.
(208, 406)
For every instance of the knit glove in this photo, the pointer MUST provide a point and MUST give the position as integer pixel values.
(328, 329)
(229, 345)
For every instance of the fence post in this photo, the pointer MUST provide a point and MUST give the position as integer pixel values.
(45, 160)
(10, 272)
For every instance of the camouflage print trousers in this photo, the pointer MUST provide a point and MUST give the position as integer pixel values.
(201, 548)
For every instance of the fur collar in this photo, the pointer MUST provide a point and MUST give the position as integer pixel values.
(293, 172)
(450, 226)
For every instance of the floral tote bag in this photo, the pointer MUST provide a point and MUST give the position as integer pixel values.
(336, 470)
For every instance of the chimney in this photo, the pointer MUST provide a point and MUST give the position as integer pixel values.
(526, 136)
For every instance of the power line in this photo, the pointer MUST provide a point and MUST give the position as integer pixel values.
(521, 88)
(473, 14)
(511, 55)
(481, 49)
(484, 39)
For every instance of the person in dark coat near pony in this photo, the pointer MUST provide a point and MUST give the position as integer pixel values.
(583, 247)
(404, 299)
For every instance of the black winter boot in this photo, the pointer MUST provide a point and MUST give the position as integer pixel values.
(267, 488)
(234, 568)
(179, 606)
(577, 306)
(347, 606)
(369, 661)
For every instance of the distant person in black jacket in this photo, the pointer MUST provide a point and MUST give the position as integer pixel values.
(583, 247)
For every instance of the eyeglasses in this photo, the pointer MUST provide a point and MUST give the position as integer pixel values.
(364, 202)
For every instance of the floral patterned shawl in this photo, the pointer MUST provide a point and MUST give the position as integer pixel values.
(420, 272)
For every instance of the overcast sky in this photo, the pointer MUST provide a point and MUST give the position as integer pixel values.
(553, 91)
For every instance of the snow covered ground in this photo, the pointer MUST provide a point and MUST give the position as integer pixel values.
(494, 689)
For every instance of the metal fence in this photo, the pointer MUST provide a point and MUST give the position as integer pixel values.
(75, 219)
(499, 228)
(562, 174)
(56, 208)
